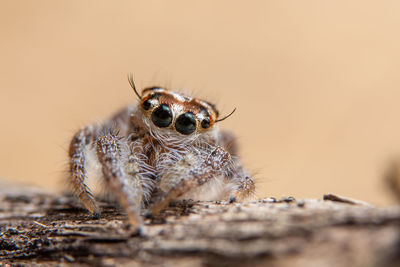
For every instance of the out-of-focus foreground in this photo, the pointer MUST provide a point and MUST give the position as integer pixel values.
(38, 228)
(316, 84)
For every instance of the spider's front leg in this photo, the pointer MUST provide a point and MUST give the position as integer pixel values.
(127, 188)
(243, 183)
(188, 173)
(77, 167)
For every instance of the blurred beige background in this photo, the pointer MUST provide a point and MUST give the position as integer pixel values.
(316, 83)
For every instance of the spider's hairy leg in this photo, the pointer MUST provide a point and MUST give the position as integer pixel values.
(188, 173)
(243, 183)
(227, 140)
(128, 190)
(77, 168)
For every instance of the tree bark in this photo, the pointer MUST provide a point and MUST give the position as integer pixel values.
(45, 228)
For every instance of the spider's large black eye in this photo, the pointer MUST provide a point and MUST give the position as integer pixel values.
(186, 123)
(162, 116)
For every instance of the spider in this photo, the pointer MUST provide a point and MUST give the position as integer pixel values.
(166, 148)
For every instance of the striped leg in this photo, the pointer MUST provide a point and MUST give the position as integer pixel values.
(77, 149)
(196, 175)
(127, 188)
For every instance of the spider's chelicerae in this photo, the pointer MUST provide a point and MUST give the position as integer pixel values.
(167, 147)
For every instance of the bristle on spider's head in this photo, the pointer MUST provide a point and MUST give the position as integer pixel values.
(132, 83)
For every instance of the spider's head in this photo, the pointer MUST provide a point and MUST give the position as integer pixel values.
(177, 112)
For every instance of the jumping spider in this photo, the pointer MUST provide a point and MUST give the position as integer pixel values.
(163, 149)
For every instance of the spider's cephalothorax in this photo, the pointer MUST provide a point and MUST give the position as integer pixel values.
(167, 147)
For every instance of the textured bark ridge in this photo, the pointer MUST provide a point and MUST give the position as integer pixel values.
(43, 228)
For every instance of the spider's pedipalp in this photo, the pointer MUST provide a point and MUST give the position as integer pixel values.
(192, 171)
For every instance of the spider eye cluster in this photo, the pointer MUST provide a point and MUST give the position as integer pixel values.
(162, 117)
(165, 115)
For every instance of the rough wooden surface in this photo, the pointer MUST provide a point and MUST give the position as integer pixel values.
(43, 228)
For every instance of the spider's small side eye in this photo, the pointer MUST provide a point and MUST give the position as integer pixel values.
(162, 116)
(146, 105)
(186, 123)
(205, 123)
